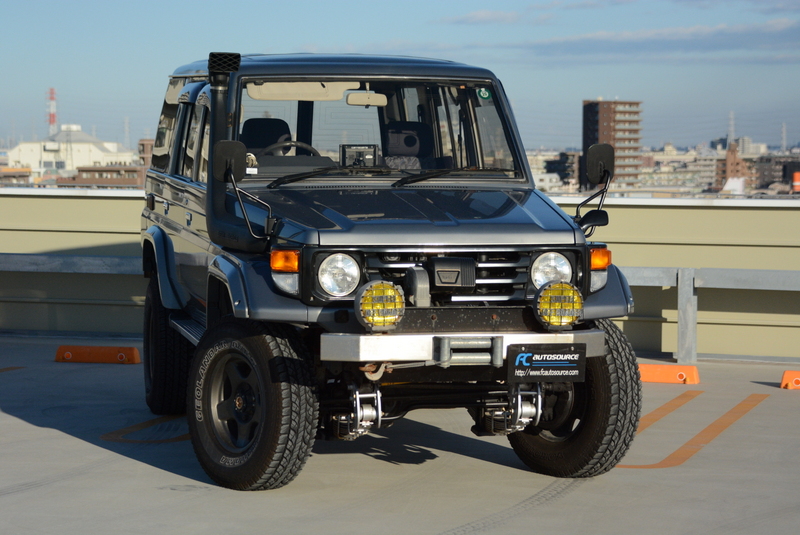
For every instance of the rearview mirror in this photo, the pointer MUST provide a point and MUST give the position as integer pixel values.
(229, 155)
(600, 163)
(366, 98)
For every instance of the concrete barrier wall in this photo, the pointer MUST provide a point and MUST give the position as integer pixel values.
(758, 234)
(680, 233)
(90, 223)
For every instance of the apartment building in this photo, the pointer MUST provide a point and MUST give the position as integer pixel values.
(617, 123)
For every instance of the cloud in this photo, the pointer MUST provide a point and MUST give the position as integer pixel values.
(779, 37)
(485, 17)
(594, 4)
(768, 7)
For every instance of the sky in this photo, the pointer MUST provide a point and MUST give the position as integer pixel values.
(690, 62)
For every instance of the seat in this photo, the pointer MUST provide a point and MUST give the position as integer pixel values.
(259, 133)
(410, 144)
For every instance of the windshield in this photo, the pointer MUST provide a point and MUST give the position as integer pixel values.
(391, 129)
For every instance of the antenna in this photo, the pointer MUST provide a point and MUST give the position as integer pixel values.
(731, 128)
(51, 112)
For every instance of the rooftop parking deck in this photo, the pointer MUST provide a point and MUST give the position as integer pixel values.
(81, 453)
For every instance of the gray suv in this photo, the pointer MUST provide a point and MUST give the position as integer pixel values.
(334, 241)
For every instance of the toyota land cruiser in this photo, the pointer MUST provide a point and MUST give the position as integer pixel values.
(334, 241)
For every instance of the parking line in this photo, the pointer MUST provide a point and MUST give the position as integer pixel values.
(704, 437)
(119, 436)
(652, 417)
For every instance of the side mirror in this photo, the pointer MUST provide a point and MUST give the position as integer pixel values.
(229, 155)
(600, 163)
(593, 218)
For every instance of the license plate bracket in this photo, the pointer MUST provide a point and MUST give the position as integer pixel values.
(533, 363)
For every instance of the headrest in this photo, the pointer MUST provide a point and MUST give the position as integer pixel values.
(262, 132)
(409, 138)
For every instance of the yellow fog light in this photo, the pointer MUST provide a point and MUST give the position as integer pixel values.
(379, 305)
(559, 305)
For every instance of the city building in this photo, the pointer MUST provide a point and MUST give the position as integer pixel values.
(775, 168)
(67, 150)
(734, 166)
(537, 159)
(566, 166)
(110, 176)
(617, 123)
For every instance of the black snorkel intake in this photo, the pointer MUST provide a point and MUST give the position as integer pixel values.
(227, 161)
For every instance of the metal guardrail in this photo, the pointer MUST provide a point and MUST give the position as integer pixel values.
(688, 280)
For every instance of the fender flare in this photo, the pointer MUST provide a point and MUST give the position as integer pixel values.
(230, 274)
(164, 265)
(613, 301)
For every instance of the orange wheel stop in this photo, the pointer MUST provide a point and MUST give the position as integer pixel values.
(791, 380)
(98, 354)
(669, 373)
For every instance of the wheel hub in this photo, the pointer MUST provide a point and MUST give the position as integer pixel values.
(244, 403)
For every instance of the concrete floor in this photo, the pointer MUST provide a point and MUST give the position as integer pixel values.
(76, 456)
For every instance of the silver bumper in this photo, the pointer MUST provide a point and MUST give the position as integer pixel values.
(452, 348)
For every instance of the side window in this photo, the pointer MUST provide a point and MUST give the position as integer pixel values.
(165, 133)
(202, 171)
(193, 141)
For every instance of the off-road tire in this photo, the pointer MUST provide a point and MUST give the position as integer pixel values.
(253, 404)
(166, 357)
(597, 430)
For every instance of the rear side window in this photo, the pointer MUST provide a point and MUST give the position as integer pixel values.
(194, 141)
(165, 133)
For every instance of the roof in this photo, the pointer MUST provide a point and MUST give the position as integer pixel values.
(74, 136)
(344, 65)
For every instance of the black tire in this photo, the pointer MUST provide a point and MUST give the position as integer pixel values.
(254, 408)
(589, 427)
(166, 357)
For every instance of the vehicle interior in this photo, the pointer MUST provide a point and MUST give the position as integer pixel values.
(396, 128)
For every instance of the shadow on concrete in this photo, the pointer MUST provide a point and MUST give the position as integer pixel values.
(103, 405)
(411, 442)
(767, 383)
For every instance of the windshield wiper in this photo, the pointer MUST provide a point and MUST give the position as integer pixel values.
(418, 177)
(300, 176)
(322, 170)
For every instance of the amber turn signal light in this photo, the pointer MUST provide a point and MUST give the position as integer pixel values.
(601, 258)
(285, 260)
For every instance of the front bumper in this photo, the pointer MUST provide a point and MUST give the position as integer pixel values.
(449, 349)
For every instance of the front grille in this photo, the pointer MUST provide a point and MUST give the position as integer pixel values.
(499, 275)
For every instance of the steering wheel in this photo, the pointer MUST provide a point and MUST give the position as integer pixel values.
(283, 144)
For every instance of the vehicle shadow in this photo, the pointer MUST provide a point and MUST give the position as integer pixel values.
(95, 403)
(412, 442)
(103, 405)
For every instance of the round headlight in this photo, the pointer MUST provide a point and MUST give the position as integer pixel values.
(551, 267)
(339, 275)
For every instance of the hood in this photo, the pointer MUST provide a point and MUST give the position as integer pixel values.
(353, 217)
